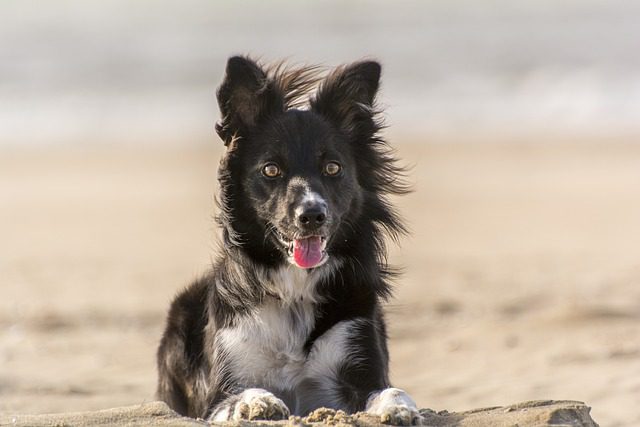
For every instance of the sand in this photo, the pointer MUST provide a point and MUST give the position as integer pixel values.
(522, 272)
(155, 414)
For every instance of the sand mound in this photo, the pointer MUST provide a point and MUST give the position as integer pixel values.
(536, 413)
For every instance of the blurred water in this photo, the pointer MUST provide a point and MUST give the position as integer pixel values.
(87, 71)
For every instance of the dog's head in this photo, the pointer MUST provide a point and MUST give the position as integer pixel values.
(299, 182)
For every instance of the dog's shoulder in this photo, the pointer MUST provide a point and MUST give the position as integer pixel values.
(190, 304)
(188, 318)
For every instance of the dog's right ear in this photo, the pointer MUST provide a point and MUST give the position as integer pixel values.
(245, 97)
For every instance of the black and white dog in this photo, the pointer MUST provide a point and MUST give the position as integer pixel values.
(290, 317)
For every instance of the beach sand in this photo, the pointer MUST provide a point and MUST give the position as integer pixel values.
(522, 272)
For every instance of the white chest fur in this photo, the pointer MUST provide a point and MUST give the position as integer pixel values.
(266, 347)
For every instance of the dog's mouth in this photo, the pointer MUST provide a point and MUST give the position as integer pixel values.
(305, 252)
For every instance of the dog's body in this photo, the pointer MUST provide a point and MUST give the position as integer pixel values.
(289, 319)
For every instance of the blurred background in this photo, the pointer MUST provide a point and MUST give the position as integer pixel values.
(520, 119)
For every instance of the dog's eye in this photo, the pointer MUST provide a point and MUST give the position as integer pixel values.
(271, 170)
(332, 168)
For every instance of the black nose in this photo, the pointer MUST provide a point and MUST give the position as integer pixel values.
(312, 216)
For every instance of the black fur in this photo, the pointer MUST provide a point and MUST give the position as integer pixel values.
(271, 115)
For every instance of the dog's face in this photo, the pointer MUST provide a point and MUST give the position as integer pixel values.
(301, 178)
(291, 178)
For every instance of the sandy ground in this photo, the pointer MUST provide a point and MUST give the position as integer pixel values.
(522, 273)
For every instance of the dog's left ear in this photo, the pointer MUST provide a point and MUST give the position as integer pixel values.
(245, 97)
(347, 97)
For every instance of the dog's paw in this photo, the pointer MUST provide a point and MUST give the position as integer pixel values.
(395, 407)
(400, 415)
(251, 404)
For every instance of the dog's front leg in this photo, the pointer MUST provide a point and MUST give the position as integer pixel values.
(251, 404)
(347, 369)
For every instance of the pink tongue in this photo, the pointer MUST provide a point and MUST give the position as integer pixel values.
(307, 253)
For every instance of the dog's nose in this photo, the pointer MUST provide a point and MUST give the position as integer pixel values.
(312, 215)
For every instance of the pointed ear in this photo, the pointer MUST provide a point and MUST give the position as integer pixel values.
(347, 97)
(245, 97)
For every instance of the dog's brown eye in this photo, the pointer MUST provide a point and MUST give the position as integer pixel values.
(271, 170)
(332, 168)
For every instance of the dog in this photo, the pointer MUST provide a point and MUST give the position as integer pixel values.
(290, 317)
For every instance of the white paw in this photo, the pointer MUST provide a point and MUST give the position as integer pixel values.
(395, 407)
(251, 404)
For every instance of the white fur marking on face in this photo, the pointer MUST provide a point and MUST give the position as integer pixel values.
(312, 197)
(309, 198)
(393, 406)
